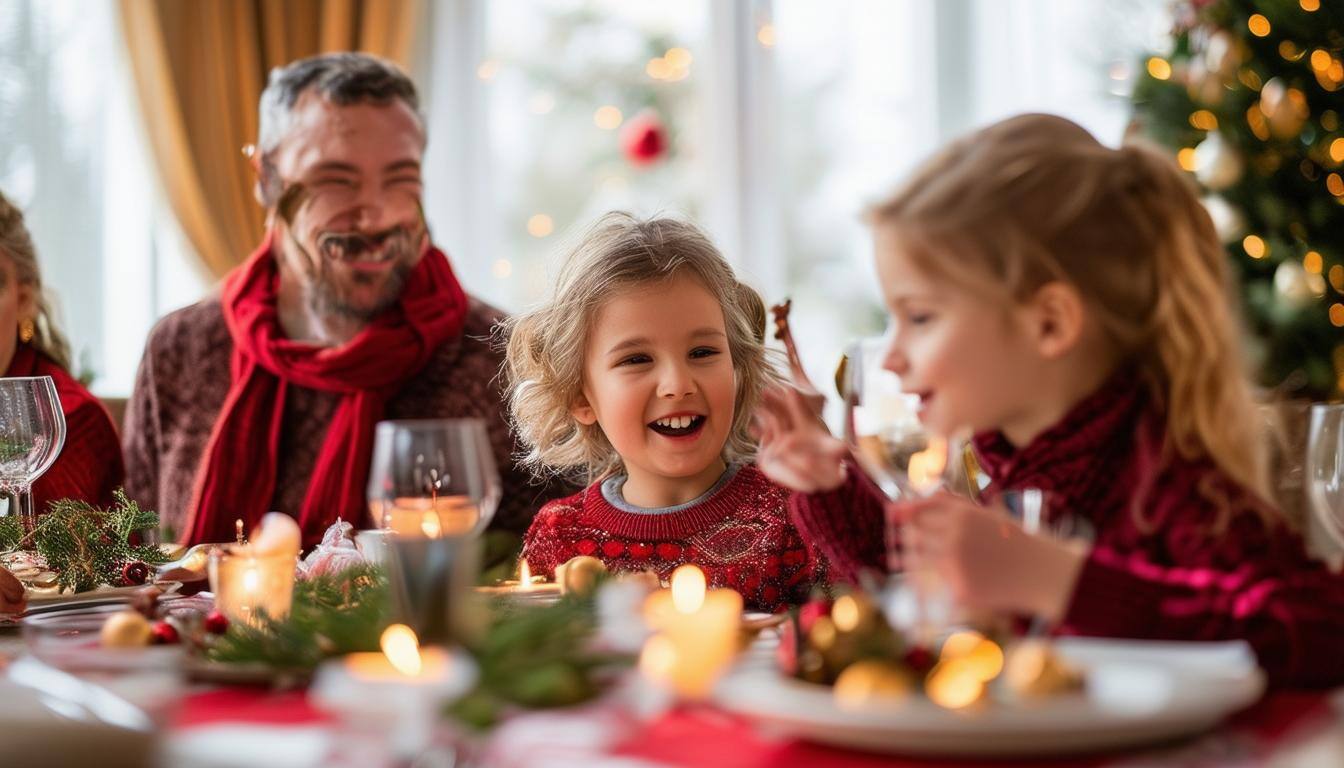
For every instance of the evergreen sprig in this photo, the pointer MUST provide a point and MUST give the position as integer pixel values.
(331, 614)
(86, 546)
(537, 658)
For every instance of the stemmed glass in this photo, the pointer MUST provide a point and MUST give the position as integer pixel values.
(32, 433)
(1325, 468)
(1032, 508)
(433, 488)
(906, 461)
(433, 477)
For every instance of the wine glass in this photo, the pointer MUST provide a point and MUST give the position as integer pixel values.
(906, 461)
(1034, 510)
(433, 478)
(1325, 468)
(32, 433)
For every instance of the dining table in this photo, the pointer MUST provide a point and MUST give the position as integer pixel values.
(216, 725)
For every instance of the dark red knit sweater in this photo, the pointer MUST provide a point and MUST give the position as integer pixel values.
(1171, 575)
(89, 466)
(740, 536)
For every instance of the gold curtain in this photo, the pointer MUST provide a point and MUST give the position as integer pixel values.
(200, 67)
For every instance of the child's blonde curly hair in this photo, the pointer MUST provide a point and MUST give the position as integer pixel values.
(545, 347)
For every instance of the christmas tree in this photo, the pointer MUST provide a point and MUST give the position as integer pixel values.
(1251, 98)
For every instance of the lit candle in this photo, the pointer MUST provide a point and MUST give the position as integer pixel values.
(525, 587)
(925, 469)
(429, 517)
(697, 633)
(396, 693)
(255, 579)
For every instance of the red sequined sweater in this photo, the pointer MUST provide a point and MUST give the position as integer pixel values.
(739, 533)
(1172, 572)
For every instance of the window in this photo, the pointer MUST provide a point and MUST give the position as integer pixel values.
(781, 119)
(72, 157)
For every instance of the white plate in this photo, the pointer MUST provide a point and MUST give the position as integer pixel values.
(1137, 693)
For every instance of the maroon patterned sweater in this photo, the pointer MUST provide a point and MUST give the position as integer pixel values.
(1171, 573)
(738, 532)
(184, 378)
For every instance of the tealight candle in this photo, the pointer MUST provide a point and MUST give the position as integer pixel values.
(429, 517)
(396, 693)
(248, 584)
(525, 587)
(697, 633)
(256, 579)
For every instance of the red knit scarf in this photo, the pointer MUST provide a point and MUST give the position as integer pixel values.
(237, 476)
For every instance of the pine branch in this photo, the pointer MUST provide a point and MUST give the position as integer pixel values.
(87, 546)
(331, 614)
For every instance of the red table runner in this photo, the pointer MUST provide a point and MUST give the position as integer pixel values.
(708, 738)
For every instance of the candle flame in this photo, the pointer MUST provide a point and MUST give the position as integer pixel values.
(430, 525)
(926, 467)
(688, 588)
(524, 574)
(402, 649)
(238, 529)
(251, 580)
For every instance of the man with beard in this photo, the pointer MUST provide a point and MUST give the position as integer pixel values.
(266, 396)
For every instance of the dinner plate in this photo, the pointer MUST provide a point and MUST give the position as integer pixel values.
(1136, 693)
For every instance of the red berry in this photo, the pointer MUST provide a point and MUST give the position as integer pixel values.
(134, 573)
(216, 623)
(920, 659)
(164, 633)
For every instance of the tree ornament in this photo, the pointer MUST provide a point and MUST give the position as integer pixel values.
(1227, 219)
(872, 681)
(1293, 284)
(1217, 164)
(125, 629)
(134, 573)
(164, 633)
(644, 138)
(216, 623)
(579, 575)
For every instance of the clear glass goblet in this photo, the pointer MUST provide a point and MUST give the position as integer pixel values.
(433, 477)
(32, 433)
(1325, 468)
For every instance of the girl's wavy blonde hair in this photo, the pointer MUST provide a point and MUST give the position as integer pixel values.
(17, 246)
(1036, 198)
(545, 347)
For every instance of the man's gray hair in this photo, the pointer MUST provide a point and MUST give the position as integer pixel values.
(341, 78)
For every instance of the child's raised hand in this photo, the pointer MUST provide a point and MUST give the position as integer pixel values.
(796, 449)
(987, 560)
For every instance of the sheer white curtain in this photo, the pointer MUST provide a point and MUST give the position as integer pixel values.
(72, 157)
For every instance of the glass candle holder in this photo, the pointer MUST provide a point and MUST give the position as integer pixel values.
(249, 585)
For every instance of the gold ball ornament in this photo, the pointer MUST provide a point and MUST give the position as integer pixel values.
(870, 682)
(579, 575)
(1034, 670)
(125, 629)
(1217, 164)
